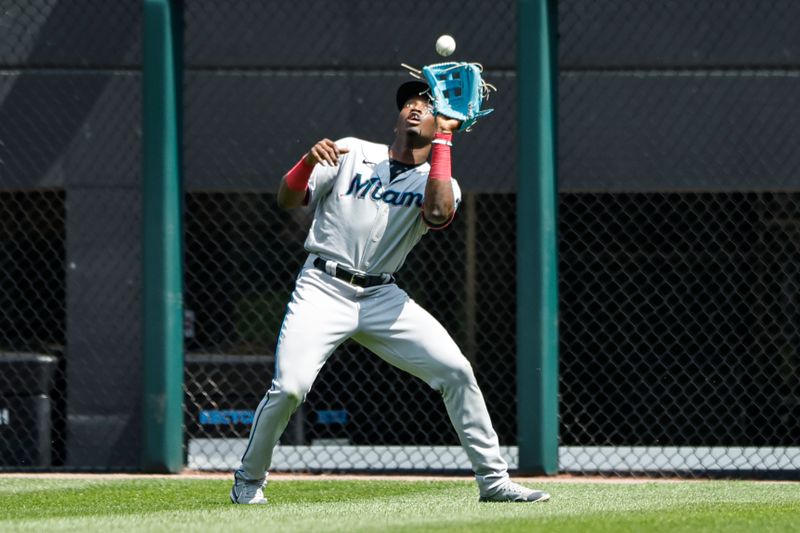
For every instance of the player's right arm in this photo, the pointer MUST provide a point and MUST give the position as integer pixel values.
(294, 185)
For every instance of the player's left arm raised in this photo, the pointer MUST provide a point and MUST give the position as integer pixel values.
(439, 205)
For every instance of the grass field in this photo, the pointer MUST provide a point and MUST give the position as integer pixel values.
(181, 504)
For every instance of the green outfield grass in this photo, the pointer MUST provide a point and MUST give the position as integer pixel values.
(41, 504)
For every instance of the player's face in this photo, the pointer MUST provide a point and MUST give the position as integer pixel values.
(416, 118)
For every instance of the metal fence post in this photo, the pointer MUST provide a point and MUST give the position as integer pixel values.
(161, 246)
(537, 257)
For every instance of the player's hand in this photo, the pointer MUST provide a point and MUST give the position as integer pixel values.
(325, 152)
(446, 124)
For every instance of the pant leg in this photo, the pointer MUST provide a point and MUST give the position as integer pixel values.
(401, 332)
(318, 318)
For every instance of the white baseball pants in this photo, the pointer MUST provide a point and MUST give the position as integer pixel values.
(323, 313)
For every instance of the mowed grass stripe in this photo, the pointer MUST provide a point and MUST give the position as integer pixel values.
(363, 505)
(59, 498)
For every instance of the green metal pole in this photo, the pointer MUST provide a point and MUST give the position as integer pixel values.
(162, 449)
(537, 253)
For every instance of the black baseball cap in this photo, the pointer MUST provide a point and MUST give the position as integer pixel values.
(409, 89)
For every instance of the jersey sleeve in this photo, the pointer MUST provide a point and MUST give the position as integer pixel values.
(456, 203)
(323, 177)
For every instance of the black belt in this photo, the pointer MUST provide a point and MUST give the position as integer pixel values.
(353, 278)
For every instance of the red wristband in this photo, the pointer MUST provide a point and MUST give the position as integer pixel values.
(440, 160)
(297, 178)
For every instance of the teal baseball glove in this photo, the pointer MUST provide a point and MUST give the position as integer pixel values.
(458, 90)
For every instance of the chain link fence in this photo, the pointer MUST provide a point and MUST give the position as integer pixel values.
(678, 242)
(242, 256)
(69, 233)
(678, 346)
(32, 319)
(254, 105)
(678, 237)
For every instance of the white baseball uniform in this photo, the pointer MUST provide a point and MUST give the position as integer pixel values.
(366, 223)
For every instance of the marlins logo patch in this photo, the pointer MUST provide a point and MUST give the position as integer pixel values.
(373, 189)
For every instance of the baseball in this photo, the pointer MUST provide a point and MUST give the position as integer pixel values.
(445, 45)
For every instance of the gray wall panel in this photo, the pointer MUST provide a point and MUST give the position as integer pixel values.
(678, 33)
(61, 128)
(245, 131)
(729, 131)
(83, 33)
(103, 327)
(346, 33)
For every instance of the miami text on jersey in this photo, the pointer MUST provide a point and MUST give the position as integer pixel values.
(361, 189)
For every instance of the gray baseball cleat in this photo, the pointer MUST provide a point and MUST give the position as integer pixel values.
(513, 492)
(245, 491)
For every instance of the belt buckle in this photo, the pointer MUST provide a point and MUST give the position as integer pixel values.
(353, 278)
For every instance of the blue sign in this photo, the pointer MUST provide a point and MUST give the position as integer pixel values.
(225, 417)
(328, 418)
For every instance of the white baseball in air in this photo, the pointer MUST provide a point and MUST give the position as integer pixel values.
(445, 45)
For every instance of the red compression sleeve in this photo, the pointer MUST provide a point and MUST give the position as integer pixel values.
(297, 178)
(440, 160)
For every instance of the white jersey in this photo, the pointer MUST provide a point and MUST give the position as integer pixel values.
(368, 224)
(363, 220)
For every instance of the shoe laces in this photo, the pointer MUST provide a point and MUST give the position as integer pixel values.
(516, 489)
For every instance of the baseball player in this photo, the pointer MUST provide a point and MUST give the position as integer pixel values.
(372, 204)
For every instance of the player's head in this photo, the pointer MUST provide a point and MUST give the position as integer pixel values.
(415, 118)
(409, 89)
